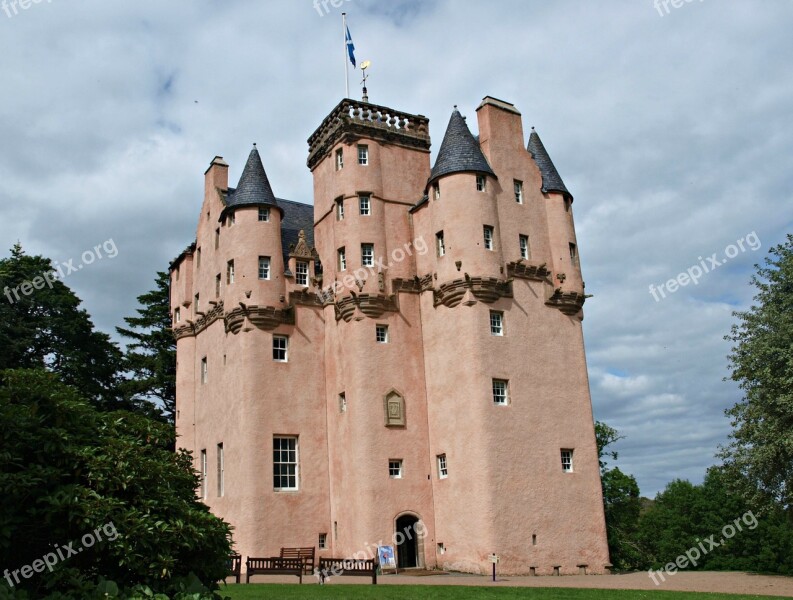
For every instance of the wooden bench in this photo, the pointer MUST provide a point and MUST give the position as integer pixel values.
(273, 566)
(304, 554)
(234, 565)
(347, 567)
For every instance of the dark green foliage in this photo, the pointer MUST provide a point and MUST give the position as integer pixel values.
(151, 355)
(67, 469)
(761, 452)
(47, 328)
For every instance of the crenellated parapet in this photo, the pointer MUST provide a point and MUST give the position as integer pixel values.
(351, 120)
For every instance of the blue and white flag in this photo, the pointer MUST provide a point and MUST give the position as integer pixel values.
(350, 48)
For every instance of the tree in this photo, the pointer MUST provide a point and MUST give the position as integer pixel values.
(760, 454)
(151, 357)
(42, 325)
(604, 437)
(69, 472)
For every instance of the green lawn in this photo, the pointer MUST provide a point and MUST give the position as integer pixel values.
(403, 592)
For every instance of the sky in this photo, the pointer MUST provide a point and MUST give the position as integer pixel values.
(671, 126)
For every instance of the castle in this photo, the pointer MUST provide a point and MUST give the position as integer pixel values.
(401, 363)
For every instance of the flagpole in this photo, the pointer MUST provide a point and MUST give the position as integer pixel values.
(346, 66)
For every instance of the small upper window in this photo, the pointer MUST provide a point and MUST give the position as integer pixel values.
(204, 370)
(488, 233)
(342, 259)
(363, 155)
(301, 273)
(197, 303)
(339, 159)
(230, 272)
(322, 543)
(443, 470)
(340, 209)
(217, 238)
(381, 334)
(395, 468)
(500, 392)
(231, 219)
(264, 213)
(481, 183)
(198, 258)
(177, 315)
(264, 267)
(436, 191)
(573, 253)
(518, 191)
(440, 244)
(367, 255)
(496, 323)
(280, 348)
(365, 205)
(342, 402)
(567, 461)
(524, 246)
(217, 285)
(567, 204)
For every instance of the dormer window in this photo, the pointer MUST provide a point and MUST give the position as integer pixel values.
(301, 273)
(481, 183)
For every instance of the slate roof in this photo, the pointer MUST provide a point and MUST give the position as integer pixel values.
(460, 152)
(551, 180)
(254, 187)
(297, 216)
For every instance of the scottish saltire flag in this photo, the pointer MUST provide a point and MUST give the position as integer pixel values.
(350, 48)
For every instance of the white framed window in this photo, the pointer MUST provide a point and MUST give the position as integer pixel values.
(342, 259)
(436, 191)
(217, 285)
(204, 370)
(481, 183)
(365, 205)
(363, 155)
(340, 209)
(488, 233)
(367, 255)
(230, 272)
(301, 273)
(177, 315)
(395, 468)
(322, 542)
(443, 471)
(285, 465)
(524, 246)
(496, 323)
(280, 348)
(518, 191)
(264, 214)
(204, 474)
(339, 159)
(221, 472)
(342, 402)
(573, 254)
(264, 267)
(567, 460)
(381, 334)
(440, 244)
(500, 392)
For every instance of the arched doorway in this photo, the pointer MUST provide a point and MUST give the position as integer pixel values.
(407, 542)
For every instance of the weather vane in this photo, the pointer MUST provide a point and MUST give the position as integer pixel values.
(365, 65)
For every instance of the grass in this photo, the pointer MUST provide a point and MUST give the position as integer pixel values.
(433, 592)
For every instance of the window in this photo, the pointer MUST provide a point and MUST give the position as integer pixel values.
(280, 348)
(221, 472)
(217, 238)
(573, 254)
(440, 244)
(381, 334)
(363, 155)
(342, 259)
(177, 315)
(197, 303)
(481, 183)
(524, 246)
(204, 370)
(284, 463)
(496, 323)
(395, 468)
(343, 402)
(365, 205)
(231, 219)
(230, 272)
(323, 541)
(500, 392)
(301, 273)
(567, 461)
(177, 274)
(488, 231)
(518, 191)
(367, 255)
(339, 159)
(567, 204)
(340, 209)
(436, 191)
(203, 474)
(443, 471)
(217, 285)
(264, 214)
(198, 258)
(264, 267)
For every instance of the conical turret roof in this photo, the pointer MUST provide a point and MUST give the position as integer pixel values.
(460, 152)
(254, 188)
(551, 180)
